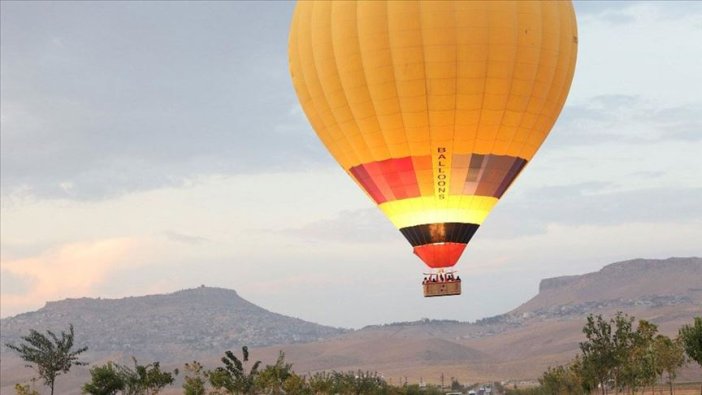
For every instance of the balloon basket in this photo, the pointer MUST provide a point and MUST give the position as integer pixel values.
(441, 288)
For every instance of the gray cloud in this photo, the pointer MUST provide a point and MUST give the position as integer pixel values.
(626, 119)
(100, 99)
(184, 238)
(621, 12)
(589, 204)
(359, 226)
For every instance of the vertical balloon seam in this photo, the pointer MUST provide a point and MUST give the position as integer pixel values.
(541, 111)
(498, 125)
(541, 69)
(311, 78)
(564, 68)
(455, 99)
(539, 46)
(572, 56)
(364, 72)
(478, 128)
(384, 160)
(509, 91)
(423, 202)
(372, 154)
(354, 144)
(385, 128)
(557, 81)
(304, 82)
(486, 68)
(517, 127)
(396, 81)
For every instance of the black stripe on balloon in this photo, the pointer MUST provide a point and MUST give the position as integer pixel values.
(449, 232)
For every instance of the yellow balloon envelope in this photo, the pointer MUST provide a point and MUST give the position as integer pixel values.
(433, 107)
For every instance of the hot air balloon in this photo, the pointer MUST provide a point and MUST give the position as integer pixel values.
(433, 108)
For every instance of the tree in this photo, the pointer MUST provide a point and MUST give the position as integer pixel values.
(271, 379)
(233, 376)
(638, 359)
(145, 379)
(104, 380)
(297, 385)
(624, 342)
(321, 383)
(583, 375)
(49, 355)
(599, 357)
(195, 380)
(613, 351)
(561, 380)
(25, 389)
(671, 356)
(691, 337)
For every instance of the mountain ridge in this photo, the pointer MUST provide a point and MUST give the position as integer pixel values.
(110, 325)
(521, 343)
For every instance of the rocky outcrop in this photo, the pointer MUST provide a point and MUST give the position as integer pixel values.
(189, 321)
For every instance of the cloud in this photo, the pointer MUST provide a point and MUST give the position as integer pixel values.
(349, 226)
(590, 204)
(623, 12)
(128, 103)
(71, 270)
(626, 119)
(644, 49)
(184, 238)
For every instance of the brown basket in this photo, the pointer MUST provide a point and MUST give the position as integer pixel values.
(446, 288)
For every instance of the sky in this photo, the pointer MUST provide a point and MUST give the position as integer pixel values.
(148, 147)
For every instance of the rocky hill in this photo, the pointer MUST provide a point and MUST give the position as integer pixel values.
(623, 285)
(193, 321)
(520, 344)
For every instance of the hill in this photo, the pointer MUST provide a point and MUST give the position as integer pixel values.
(188, 322)
(519, 344)
(522, 343)
(622, 285)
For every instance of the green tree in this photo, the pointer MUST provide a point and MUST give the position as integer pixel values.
(25, 389)
(365, 383)
(145, 379)
(599, 357)
(670, 356)
(104, 380)
(561, 380)
(691, 338)
(321, 383)
(271, 379)
(297, 385)
(347, 383)
(195, 379)
(624, 341)
(608, 353)
(50, 355)
(638, 360)
(583, 375)
(233, 377)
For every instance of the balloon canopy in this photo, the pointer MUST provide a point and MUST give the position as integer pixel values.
(433, 107)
